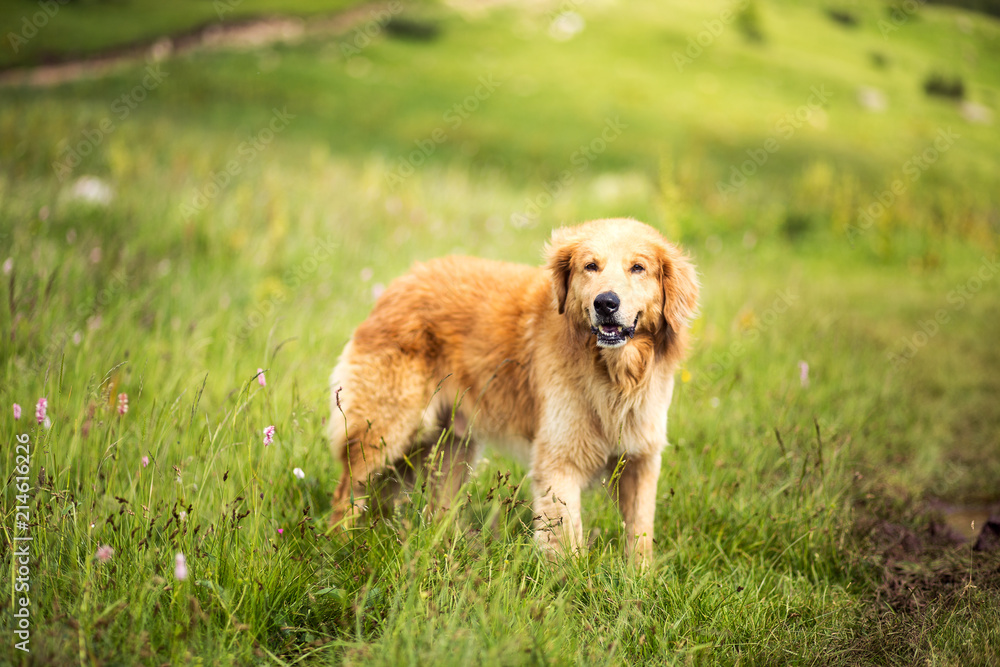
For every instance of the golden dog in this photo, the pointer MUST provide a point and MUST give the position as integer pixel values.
(575, 361)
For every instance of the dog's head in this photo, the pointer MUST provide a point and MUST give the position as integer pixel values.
(620, 278)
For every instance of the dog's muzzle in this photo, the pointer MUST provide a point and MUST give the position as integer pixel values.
(611, 334)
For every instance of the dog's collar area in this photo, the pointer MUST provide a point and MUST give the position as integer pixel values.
(612, 334)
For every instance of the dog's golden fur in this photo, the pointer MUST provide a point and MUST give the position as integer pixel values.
(485, 349)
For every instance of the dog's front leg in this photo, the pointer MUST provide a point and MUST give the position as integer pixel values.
(637, 502)
(558, 525)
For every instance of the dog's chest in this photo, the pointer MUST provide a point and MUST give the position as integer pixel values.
(634, 427)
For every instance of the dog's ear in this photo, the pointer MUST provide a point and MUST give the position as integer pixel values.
(559, 261)
(680, 289)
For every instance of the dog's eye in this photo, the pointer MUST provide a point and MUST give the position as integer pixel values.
(591, 267)
(638, 268)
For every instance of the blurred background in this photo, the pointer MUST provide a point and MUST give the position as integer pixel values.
(190, 191)
(747, 118)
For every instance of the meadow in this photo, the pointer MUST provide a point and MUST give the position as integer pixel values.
(178, 231)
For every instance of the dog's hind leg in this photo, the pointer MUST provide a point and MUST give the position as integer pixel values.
(446, 457)
(377, 405)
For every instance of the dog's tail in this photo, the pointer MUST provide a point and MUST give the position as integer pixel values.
(337, 427)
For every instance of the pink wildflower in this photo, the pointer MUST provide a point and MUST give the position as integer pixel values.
(803, 374)
(17, 411)
(40, 409)
(104, 553)
(268, 435)
(280, 531)
(260, 377)
(145, 461)
(180, 567)
(122, 403)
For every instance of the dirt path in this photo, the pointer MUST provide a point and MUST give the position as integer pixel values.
(245, 34)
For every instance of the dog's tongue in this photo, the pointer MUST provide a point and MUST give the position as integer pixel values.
(609, 328)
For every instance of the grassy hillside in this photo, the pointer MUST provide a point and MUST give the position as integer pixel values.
(243, 213)
(53, 31)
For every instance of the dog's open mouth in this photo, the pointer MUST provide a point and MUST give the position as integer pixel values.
(612, 334)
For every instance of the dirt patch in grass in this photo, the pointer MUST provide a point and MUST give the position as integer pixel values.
(921, 557)
(932, 587)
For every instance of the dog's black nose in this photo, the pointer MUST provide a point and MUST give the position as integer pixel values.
(606, 304)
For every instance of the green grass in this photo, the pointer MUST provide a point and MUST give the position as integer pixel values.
(768, 551)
